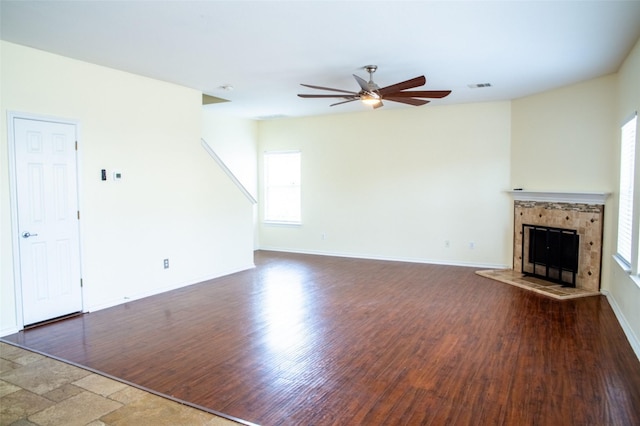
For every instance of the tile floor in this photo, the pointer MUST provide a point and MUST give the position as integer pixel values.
(37, 390)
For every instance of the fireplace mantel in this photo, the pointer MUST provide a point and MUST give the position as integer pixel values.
(560, 197)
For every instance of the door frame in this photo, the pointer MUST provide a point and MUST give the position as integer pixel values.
(13, 193)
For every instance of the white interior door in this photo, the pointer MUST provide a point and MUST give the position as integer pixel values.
(47, 212)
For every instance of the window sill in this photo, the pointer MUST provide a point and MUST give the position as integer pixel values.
(626, 268)
(623, 265)
(284, 224)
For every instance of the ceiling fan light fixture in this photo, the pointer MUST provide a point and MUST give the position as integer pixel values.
(371, 99)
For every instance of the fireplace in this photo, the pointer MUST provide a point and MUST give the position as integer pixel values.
(550, 253)
(557, 243)
(573, 222)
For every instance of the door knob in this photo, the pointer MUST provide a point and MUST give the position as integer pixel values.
(28, 234)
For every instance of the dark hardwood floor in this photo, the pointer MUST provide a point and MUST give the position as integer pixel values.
(314, 340)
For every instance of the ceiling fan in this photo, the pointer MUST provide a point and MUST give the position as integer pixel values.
(373, 95)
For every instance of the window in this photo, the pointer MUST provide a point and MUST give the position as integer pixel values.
(282, 187)
(625, 208)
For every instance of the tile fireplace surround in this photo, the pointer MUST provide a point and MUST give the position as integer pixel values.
(583, 212)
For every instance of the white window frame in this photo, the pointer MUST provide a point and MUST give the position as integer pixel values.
(294, 185)
(628, 231)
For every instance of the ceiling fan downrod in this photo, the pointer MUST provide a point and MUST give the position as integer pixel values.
(371, 69)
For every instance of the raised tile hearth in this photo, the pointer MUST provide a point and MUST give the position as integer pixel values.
(518, 279)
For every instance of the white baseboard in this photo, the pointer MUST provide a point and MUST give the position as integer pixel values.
(8, 331)
(390, 258)
(628, 331)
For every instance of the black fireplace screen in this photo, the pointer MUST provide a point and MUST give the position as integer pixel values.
(550, 253)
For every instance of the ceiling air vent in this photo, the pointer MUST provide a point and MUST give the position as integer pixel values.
(479, 85)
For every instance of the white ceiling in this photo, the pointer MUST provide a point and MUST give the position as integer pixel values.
(264, 49)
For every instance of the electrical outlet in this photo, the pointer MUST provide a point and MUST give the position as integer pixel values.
(472, 245)
(166, 264)
(447, 244)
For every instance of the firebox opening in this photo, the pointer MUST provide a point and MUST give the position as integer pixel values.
(550, 253)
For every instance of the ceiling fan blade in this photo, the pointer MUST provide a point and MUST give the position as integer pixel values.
(337, 95)
(328, 88)
(362, 82)
(408, 101)
(436, 94)
(409, 84)
(343, 102)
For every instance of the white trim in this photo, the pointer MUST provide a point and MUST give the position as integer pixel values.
(15, 239)
(622, 263)
(227, 171)
(629, 118)
(561, 197)
(389, 258)
(281, 223)
(79, 186)
(282, 151)
(626, 268)
(626, 328)
(13, 203)
(8, 331)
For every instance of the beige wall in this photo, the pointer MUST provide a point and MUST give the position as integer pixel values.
(235, 141)
(562, 140)
(397, 184)
(173, 202)
(624, 291)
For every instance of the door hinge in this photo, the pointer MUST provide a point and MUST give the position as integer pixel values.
(78, 214)
(76, 145)
(81, 283)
